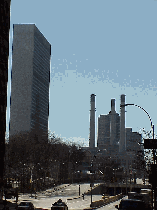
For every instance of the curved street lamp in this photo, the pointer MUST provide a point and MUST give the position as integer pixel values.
(153, 151)
(152, 126)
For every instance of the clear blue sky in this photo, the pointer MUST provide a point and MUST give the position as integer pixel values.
(103, 47)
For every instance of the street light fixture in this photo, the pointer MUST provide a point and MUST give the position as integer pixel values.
(92, 176)
(152, 126)
(153, 151)
(31, 179)
(22, 176)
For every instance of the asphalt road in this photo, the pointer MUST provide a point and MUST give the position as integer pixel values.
(68, 194)
(111, 206)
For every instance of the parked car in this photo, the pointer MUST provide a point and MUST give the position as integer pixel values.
(128, 204)
(25, 205)
(146, 197)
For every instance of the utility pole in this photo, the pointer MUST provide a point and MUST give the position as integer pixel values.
(126, 182)
(92, 182)
(154, 196)
(152, 144)
(79, 189)
(91, 195)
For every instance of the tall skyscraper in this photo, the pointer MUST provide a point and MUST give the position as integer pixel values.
(29, 105)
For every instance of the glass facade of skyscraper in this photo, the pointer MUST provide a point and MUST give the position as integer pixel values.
(30, 80)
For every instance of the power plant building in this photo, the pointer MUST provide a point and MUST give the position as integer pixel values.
(118, 141)
(114, 140)
(109, 128)
(30, 80)
(103, 139)
(133, 140)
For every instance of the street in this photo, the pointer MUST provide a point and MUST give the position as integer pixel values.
(111, 206)
(68, 194)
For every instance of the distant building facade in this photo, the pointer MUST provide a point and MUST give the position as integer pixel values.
(133, 140)
(109, 128)
(103, 139)
(29, 105)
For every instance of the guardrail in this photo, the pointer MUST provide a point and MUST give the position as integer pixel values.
(106, 201)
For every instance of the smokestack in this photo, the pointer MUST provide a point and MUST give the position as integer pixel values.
(122, 143)
(113, 105)
(92, 122)
(113, 123)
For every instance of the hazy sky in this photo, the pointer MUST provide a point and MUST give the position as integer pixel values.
(105, 47)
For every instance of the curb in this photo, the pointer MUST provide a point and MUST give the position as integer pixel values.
(73, 198)
(38, 208)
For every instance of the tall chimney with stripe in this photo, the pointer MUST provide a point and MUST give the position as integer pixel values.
(113, 123)
(122, 143)
(92, 122)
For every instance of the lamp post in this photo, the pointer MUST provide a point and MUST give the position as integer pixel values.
(115, 178)
(130, 172)
(22, 176)
(126, 179)
(153, 150)
(91, 185)
(79, 189)
(114, 171)
(92, 176)
(152, 126)
(63, 171)
(31, 179)
(31, 182)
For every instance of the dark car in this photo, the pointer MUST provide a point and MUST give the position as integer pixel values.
(59, 205)
(131, 204)
(25, 206)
